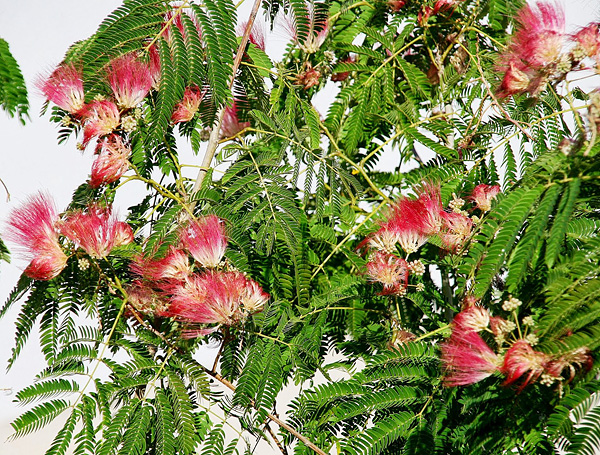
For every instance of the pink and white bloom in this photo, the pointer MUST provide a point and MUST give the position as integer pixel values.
(130, 80)
(112, 161)
(539, 40)
(252, 297)
(231, 124)
(588, 39)
(32, 227)
(474, 318)
(483, 195)
(188, 106)
(210, 298)
(520, 359)
(431, 200)
(389, 270)
(317, 32)
(64, 88)
(174, 266)
(99, 119)
(580, 357)
(458, 229)
(515, 81)
(205, 239)
(257, 34)
(467, 358)
(97, 230)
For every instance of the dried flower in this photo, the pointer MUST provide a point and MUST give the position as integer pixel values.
(580, 357)
(467, 358)
(389, 270)
(309, 77)
(64, 88)
(188, 106)
(32, 227)
(130, 80)
(96, 230)
(205, 239)
(112, 161)
(99, 118)
(144, 299)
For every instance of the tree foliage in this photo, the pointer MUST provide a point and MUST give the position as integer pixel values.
(305, 194)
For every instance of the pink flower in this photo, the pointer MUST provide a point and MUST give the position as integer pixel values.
(389, 270)
(231, 124)
(174, 266)
(210, 298)
(257, 34)
(97, 231)
(32, 227)
(175, 17)
(458, 229)
(112, 161)
(188, 106)
(216, 298)
(396, 5)
(99, 119)
(154, 65)
(588, 39)
(408, 223)
(431, 201)
(317, 31)
(483, 195)
(205, 239)
(520, 359)
(130, 80)
(538, 40)
(443, 5)
(64, 88)
(467, 358)
(342, 76)
(578, 357)
(474, 318)
(515, 80)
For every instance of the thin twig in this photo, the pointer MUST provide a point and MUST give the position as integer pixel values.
(277, 443)
(213, 140)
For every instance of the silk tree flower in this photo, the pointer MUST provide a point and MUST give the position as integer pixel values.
(389, 270)
(144, 299)
(174, 266)
(483, 195)
(188, 106)
(96, 230)
(467, 358)
(112, 161)
(538, 41)
(474, 318)
(154, 65)
(130, 80)
(32, 227)
(231, 124)
(580, 357)
(515, 81)
(216, 298)
(205, 239)
(458, 228)
(520, 359)
(588, 41)
(210, 298)
(64, 87)
(405, 224)
(309, 77)
(100, 118)
(257, 34)
(431, 200)
(318, 29)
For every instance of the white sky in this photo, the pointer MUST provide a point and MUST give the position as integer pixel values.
(39, 32)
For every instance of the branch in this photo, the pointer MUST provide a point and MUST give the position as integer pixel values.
(213, 140)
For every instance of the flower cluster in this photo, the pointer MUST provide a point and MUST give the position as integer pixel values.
(203, 292)
(468, 358)
(37, 227)
(410, 223)
(540, 51)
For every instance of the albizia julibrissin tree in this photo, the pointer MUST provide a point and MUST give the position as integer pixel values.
(431, 234)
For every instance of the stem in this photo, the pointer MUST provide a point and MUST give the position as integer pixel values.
(213, 140)
(271, 417)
